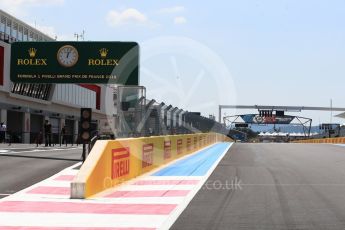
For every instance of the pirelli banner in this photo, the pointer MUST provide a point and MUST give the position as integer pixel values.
(75, 62)
(113, 162)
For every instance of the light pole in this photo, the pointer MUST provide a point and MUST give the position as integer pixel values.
(331, 110)
(81, 36)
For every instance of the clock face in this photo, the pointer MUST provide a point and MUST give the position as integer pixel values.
(67, 56)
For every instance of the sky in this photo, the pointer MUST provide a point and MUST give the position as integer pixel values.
(196, 55)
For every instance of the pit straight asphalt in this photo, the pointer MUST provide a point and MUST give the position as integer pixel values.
(272, 186)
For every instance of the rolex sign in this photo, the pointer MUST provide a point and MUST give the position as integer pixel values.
(75, 62)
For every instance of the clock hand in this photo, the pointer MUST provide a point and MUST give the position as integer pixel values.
(67, 54)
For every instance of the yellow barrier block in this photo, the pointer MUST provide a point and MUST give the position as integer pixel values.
(334, 140)
(113, 162)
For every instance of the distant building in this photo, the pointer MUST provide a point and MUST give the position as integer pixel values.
(24, 107)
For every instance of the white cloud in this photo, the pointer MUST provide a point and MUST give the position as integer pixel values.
(172, 10)
(180, 20)
(51, 32)
(19, 8)
(66, 37)
(48, 30)
(129, 16)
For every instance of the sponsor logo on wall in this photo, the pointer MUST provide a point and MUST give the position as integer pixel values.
(257, 119)
(179, 147)
(120, 162)
(147, 156)
(189, 143)
(167, 149)
(75, 62)
(195, 142)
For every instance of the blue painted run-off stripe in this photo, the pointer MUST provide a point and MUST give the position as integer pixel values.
(197, 164)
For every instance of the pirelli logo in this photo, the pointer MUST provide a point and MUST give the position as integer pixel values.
(120, 162)
(167, 149)
(179, 146)
(147, 159)
(189, 144)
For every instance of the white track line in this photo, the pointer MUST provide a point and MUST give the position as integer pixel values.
(154, 187)
(179, 209)
(120, 200)
(55, 183)
(33, 151)
(80, 220)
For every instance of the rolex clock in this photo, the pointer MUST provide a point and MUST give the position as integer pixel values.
(67, 56)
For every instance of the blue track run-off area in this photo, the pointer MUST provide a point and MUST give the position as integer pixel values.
(197, 164)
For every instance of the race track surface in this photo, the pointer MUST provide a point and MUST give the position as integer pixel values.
(272, 186)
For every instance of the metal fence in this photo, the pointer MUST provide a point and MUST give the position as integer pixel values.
(139, 116)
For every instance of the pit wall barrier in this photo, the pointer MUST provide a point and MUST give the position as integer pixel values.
(335, 140)
(112, 162)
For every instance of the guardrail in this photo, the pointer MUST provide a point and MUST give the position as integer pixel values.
(112, 162)
(335, 140)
